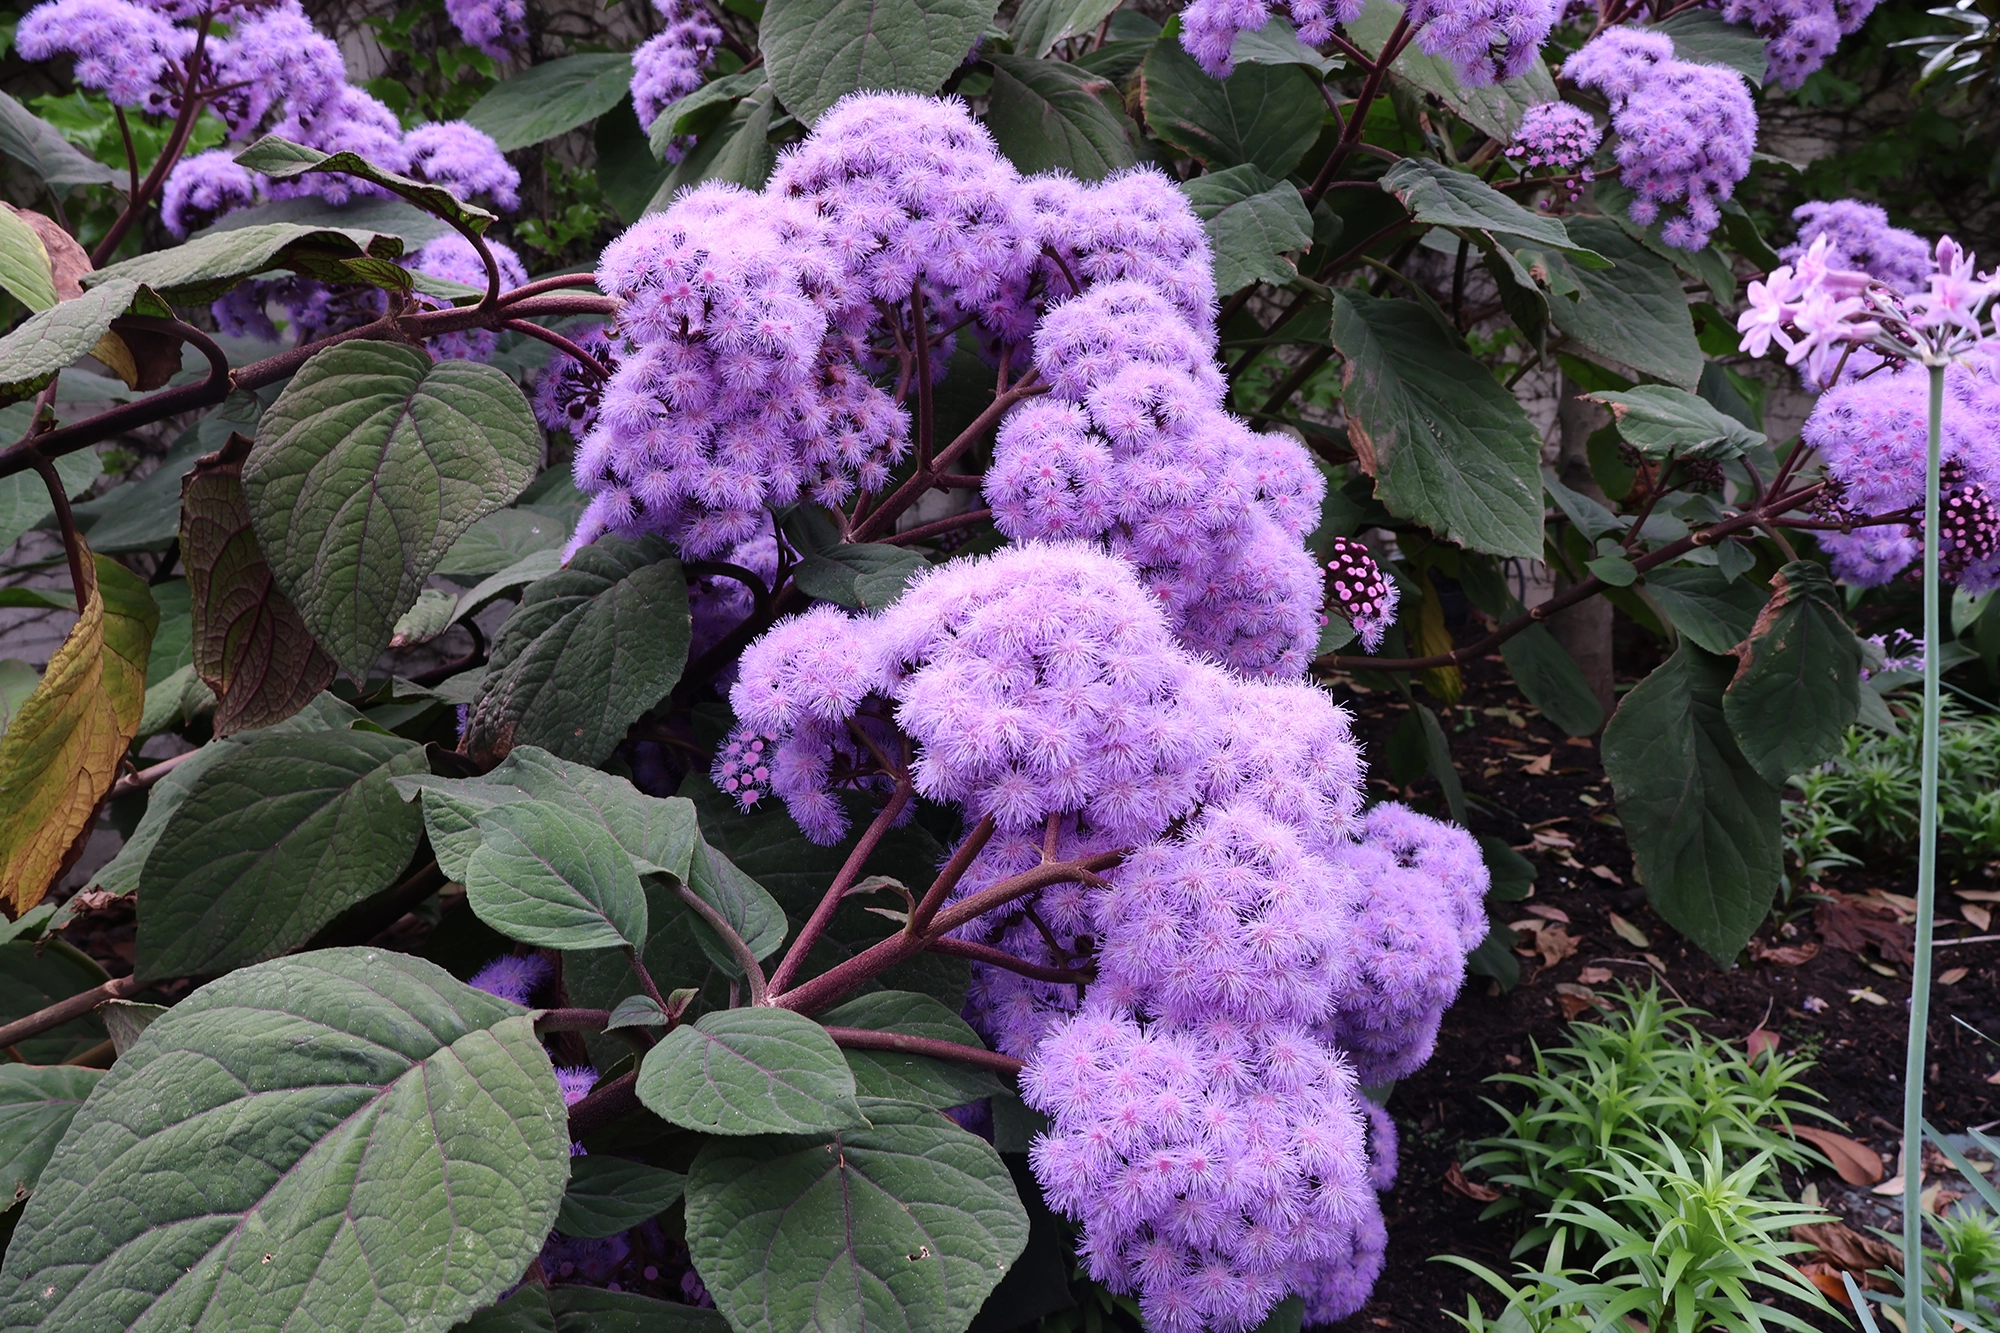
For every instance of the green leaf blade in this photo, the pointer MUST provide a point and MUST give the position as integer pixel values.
(551, 878)
(1048, 114)
(1253, 223)
(1798, 689)
(551, 98)
(607, 1195)
(1265, 116)
(821, 50)
(750, 1071)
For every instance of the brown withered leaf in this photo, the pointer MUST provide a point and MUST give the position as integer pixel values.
(67, 260)
(1857, 1163)
(1788, 955)
(1573, 999)
(250, 644)
(1456, 1183)
(1761, 1042)
(1852, 923)
(1842, 1247)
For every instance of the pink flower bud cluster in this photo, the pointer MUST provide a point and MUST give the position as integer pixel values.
(1686, 131)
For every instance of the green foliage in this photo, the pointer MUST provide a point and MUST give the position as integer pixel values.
(1644, 1076)
(751, 1071)
(1861, 804)
(820, 50)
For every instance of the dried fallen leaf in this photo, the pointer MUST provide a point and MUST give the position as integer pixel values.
(1951, 976)
(1827, 1278)
(1761, 1042)
(1594, 976)
(1539, 766)
(1979, 895)
(1607, 873)
(1993, 1077)
(1857, 1163)
(1551, 913)
(1574, 999)
(1890, 1188)
(1898, 902)
(1657, 963)
(1787, 955)
(1630, 933)
(1456, 1183)
(1848, 922)
(1937, 1198)
(1981, 917)
(1844, 1247)
(1865, 993)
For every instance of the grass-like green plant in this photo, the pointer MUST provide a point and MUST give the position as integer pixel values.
(1642, 1075)
(1863, 804)
(1688, 1247)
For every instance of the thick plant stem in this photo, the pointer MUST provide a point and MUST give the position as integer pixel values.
(1927, 834)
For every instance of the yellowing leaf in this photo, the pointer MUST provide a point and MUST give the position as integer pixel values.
(60, 755)
(1630, 933)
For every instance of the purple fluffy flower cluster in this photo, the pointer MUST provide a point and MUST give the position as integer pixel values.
(1209, 28)
(1261, 948)
(1131, 226)
(1798, 35)
(1871, 434)
(1485, 40)
(1132, 447)
(499, 28)
(129, 53)
(1686, 131)
(1859, 237)
(1559, 138)
(741, 388)
(669, 65)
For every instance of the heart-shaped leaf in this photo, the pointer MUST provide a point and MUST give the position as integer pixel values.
(1799, 686)
(906, 1225)
(1253, 223)
(367, 468)
(550, 877)
(750, 1071)
(552, 98)
(380, 1145)
(607, 1195)
(819, 51)
(1048, 114)
(270, 843)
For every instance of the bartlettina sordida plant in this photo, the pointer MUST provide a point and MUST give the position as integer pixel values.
(663, 771)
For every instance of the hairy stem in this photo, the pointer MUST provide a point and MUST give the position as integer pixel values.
(753, 972)
(561, 344)
(850, 871)
(1006, 962)
(868, 1039)
(607, 1104)
(948, 878)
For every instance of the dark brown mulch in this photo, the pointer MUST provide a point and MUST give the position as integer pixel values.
(1859, 1044)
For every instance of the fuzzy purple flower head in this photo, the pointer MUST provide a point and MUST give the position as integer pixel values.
(1858, 236)
(513, 977)
(498, 28)
(568, 393)
(1798, 35)
(122, 50)
(202, 188)
(1485, 40)
(1686, 131)
(465, 161)
(452, 258)
(1360, 591)
(669, 65)
(1209, 28)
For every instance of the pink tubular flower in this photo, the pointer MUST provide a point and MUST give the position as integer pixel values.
(1859, 237)
(1360, 591)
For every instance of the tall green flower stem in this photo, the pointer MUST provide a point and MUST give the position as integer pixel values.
(1920, 969)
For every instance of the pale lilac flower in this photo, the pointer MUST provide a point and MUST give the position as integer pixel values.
(513, 977)
(499, 28)
(119, 49)
(202, 188)
(1798, 35)
(465, 161)
(669, 65)
(1209, 28)
(1859, 237)
(274, 61)
(1485, 40)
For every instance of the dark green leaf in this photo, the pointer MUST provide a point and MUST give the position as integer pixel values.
(387, 217)
(1277, 43)
(897, 1076)
(32, 354)
(509, 581)
(1048, 115)
(550, 877)
(821, 50)
(1513, 875)
(1703, 37)
(1703, 825)
(1495, 958)
(34, 976)
(248, 642)
(684, 116)
(608, 1195)
(565, 1309)
(867, 576)
(750, 1071)
(636, 1011)
(1437, 758)
(1714, 612)
(1253, 224)
(367, 468)
(127, 1021)
(587, 651)
(24, 498)
(37, 1102)
(551, 98)
(905, 1225)
(500, 540)
(1496, 109)
(282, 160)
(121, 874)
(1550, 680)
(627, 171)
(750, 911)
(380, 1146)
(1437, 194)
(737, 150)
(1446, 444)
(202, 269)
(1633, 313)
(657, 832)
(270, 843)
(1661, 422)
(1615, 570)
(41, 148)
(1039, 24)
(1264, 115)
(1798, 689)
